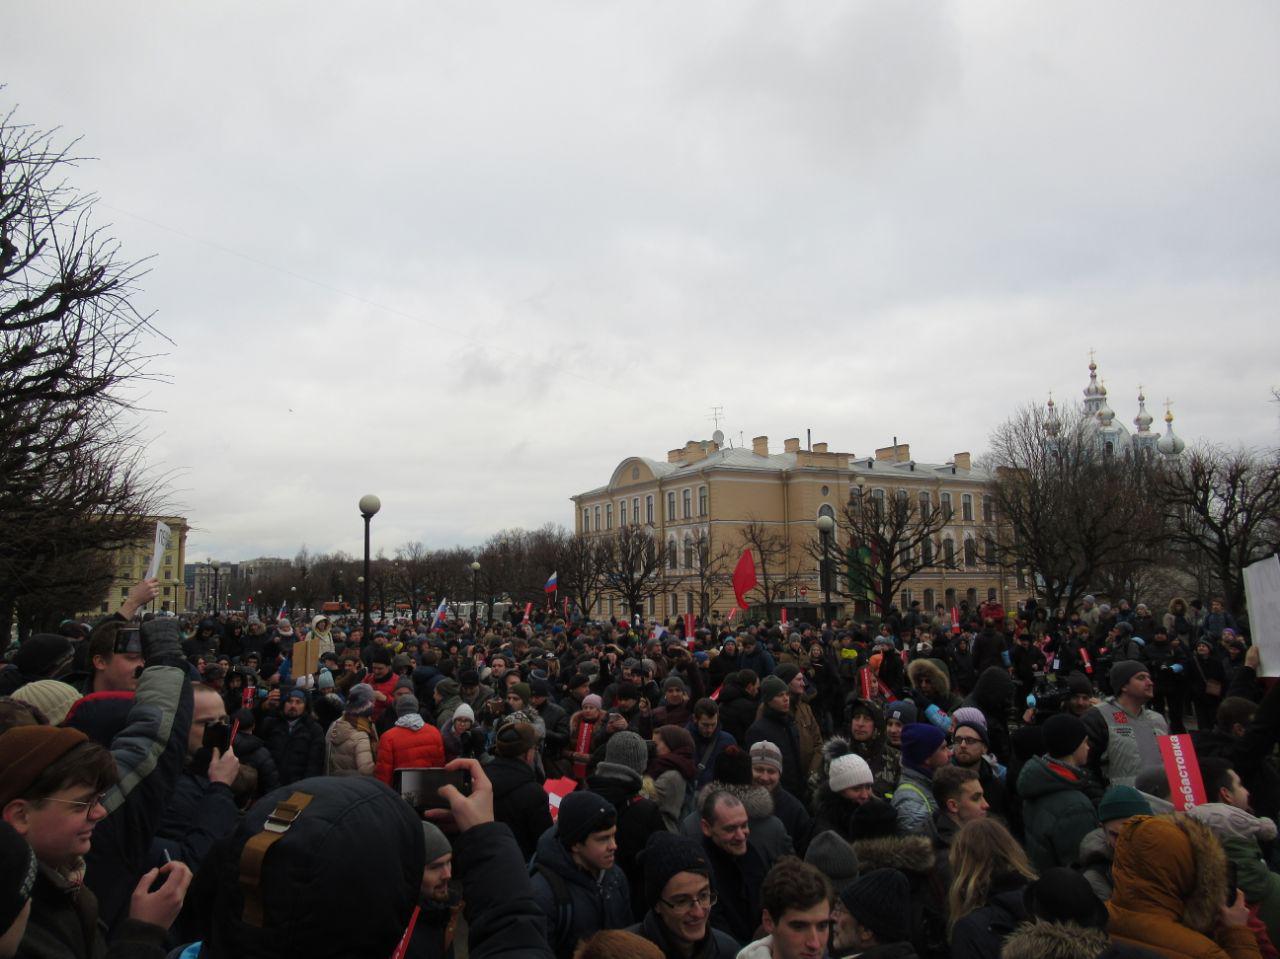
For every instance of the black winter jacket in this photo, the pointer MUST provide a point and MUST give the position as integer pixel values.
(519, 801)
(298, 751)
(592, 904)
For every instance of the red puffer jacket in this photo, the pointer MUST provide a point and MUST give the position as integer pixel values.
(403, 748)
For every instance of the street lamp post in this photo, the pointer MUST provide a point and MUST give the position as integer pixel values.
(475, 581)
(369, 506)
(826, 525)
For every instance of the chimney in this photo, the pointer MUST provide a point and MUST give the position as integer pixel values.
(819, 447)
(962, 461)
(791, 445)
(675, 456)
(760, 445)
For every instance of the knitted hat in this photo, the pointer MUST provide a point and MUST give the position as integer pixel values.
(576, 681)
(284, 627)
(523, 691)
(17, 874)
(360, 700)
(50, 696)
(401, 661)
(464, 712)
(674, 682)
(971, 716)
(406, 705)
(904, 711)
(833, 857)
(581, 814)
(404, 682)
(1064, 895)
(1124, 671)
(874, 819)
(765, 753)
(380, 654)
(539, 686)
(787, 672)
(44, 654)
(448, 688)
(299, 693)
(1079, 684)
(676, 737)
(881, 902)
(1063, 734)
(469, 677)
(627, 749)
(733, 767)
(920, 741)
(771, 686)
(592, 700)
(27, 751)
(325, 680)
(664, 855)
(514, 739)
(437, 842)
(849, 770)
(1121, 802)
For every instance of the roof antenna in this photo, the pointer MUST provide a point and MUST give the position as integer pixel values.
(808, 440)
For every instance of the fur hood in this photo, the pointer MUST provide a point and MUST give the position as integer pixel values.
(913, 855)
(757, 799)
(1054, 940)
(1168, 868)
(937, 676)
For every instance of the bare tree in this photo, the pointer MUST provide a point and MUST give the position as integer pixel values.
(631, 561)
(580, 565)
(71, 349)
(774, 578)
(891, 538)
(1069, 509)
(712, 567)
(1223, 510)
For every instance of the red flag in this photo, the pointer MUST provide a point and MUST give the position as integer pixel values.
(688, 626)
(955, 619)
(732, 613)
(784, 615)
(557, 789)
(528, 608)
(744, 577)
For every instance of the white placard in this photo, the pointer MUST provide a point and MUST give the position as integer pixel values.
(163, 536)
(1262, 592)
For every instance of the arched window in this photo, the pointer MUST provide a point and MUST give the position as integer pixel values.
(877, 499)
(926, 548)
(988, 509)
(966, 507)
(926, 507)
(928, 600)
(608, 516)
(970, 552)
(673, 556)
(702, 501)
(622, 512)
(688, 551)
(949, 552)
(686, 500)
(990, 549)
(945, 500)
(586, 521)
(648, 509)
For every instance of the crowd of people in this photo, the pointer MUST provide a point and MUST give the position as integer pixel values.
(969, 784)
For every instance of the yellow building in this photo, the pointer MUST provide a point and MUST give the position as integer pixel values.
(705, 489)
(132, 562)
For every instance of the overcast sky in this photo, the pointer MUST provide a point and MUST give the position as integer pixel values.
(469, 256)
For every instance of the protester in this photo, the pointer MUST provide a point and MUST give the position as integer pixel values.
(294, 738)
(1122, 730)
(352, 741)
(410, 744)
(778, 726)
(924, 749)
(1097, 848)
(989, 875)
(678, 901)
(518, 798)
(796, 913)
(1057, 812)
(871, 918)
(736, 868)
(673, 772)
(766, 772)
(709, 740)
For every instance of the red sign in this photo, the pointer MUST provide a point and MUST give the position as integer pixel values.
(528, 608)
(804, 591)
(688, 626)
(784, 615)
(556, 790)
(1186, 788)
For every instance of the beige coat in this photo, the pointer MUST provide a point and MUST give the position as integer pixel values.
(351, 747)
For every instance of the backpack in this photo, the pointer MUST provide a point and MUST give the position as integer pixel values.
(562, 925)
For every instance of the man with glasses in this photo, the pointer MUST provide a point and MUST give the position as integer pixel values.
(52, 782)
(677, 890)
(969, 751)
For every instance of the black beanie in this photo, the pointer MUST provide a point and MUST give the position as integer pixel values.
(733, 767)
(1063, 895)
(1122, 672)
(46, 655)
(881, 901)
(666, 854)
(1063, 733)
(380, 654)
(1079, 684)
(581, 814)
(17, 874)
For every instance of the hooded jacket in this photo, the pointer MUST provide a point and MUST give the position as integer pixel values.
(768, 836)
(518, 800)
(352, 744)
(1093, 861)
(1056, 813)
(638, 818)
(1240, 835)
(981, 933)
(737, 711)
(1041, 939)
(409, 744)
(993, 694)
(595, 903)
(1170, 878)
(780, 729)
(916, 858)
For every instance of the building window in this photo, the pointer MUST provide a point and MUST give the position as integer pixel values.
(950, 598)
(671, 507)
(988, 509)
(648, 509)
(635, 510)
(702, 501)
(949, 552)
(622, 512)
(928, 599)
(905, 598)
(672, 555)
(652, 600)
(877, 500)
(608, 516)
(926, 507)
(990, 549)
(598, 527)
(168, 590)
(586, 521)
(926, 549)
(674, 604)
(688, 602)
(991, 594)
(688, 551)
(686, 499)
(826, 510)
(947, 512)
(966, 507)
(124, 592)
(970, 552)
(1021, 579)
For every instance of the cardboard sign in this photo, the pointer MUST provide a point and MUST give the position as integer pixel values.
(305, 657)
(1262, 592)
(163, 537)
(1186, 788)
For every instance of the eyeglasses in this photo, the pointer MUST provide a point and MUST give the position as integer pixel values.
(682, 904)
(87, 804)
(966, 740)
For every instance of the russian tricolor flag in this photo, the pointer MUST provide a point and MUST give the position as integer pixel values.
(442, 612)
(551, 586)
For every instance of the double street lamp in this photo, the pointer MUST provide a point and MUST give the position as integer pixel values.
(826, 526)
(369, 506)
(475, 592)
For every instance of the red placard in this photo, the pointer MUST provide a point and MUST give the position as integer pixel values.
(1186, 788)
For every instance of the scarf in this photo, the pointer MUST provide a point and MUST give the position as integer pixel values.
(412, 721)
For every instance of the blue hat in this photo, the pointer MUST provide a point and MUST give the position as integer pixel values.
(297, 693)
(920, 741)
